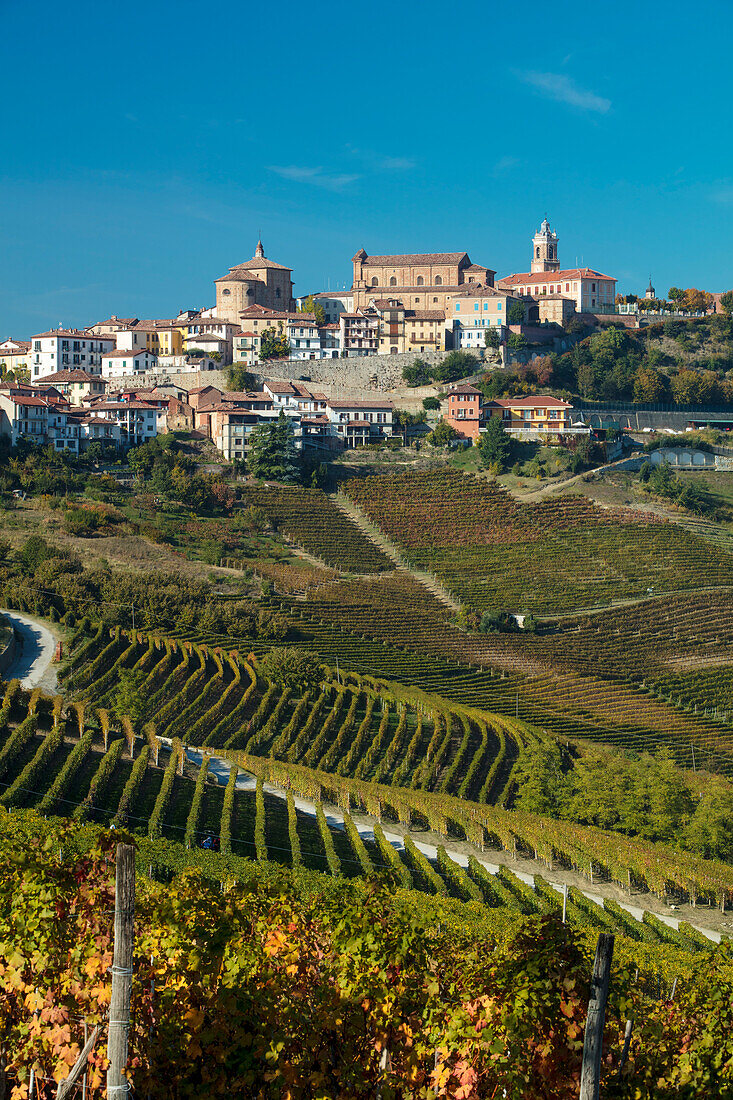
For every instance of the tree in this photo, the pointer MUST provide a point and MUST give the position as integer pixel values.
(129, 698)
(457, 364)
(238, 378)
(293, 667)
(442, 434)
(491, 338)
(274, 345)
(271, 452)
(676, 296)
(517, 342)
(494, 445)
(650, 385)
(430, 403)
(516, 312)
(417, 373)
(310, 305)
(686, 387)
(697, 301)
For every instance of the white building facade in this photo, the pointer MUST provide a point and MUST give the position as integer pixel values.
(64, 349)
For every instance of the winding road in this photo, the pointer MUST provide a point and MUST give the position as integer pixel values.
(33, 663)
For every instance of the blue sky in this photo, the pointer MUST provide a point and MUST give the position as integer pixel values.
(149, 143)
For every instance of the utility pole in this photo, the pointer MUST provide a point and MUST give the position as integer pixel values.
(118, 1026)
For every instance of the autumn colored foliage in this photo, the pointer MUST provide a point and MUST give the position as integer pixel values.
(254, 989)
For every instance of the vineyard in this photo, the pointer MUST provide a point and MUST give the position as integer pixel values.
(392, 754)
(311, 521)
(99, 775)
(271, 987)
(479, 541)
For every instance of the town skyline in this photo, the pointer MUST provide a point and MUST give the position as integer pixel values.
(168, 173)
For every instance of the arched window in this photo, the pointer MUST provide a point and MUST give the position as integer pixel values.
(375, 281)
(393, 281)
(420, 281)
(435, 299)
(226, 292)
(537, 251)
(438, 280)
(250, 292)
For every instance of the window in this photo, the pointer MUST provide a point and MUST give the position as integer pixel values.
(537, 251)
(393, 281)
(277, 291)
(476, 306)
(420, 281)
(438, 280)
(375, 281)
(435, 300)
(458, 307)
(498, 305)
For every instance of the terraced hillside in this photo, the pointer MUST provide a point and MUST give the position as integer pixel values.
(72, 761)
(561, 554)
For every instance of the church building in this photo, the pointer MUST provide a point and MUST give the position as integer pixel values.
(258, 281)
(557, 291)
(422, 281)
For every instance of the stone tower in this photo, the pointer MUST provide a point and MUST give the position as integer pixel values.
(651, 293)
(544, 249)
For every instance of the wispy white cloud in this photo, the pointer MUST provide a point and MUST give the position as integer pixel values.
(564, 89)
(331, 181)
(503, 164)
(723, 195)
(381, 162)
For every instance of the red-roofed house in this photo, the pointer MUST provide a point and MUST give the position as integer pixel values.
(464, 411)
(531, 416)
(23, 415)
(117, 364)
(591, 291)
(64, 349)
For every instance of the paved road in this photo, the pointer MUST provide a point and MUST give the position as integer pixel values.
(220, 769)
(33, 660)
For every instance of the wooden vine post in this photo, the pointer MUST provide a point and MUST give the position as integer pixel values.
(590, 1076)
(119, 1009)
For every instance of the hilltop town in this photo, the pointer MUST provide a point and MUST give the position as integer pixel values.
(338, 364)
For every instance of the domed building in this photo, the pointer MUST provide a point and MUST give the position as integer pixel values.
(258, 281)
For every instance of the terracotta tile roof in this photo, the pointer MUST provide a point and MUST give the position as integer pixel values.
(120, 322)
(360, 404)
(69, 376)
(22, 345)
(478, 290)
(257, 310)
(414, 258)
(75, 333)
(279, 387)
(245, 395)
(424, 315)
(152, 324)
(554, 276)
(464, 389)
(26, 399)
(257, 262)
(237, 276)
(530, 402)
(117, 406)
(130, 354)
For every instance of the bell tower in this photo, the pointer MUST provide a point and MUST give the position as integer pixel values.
(544, 249)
